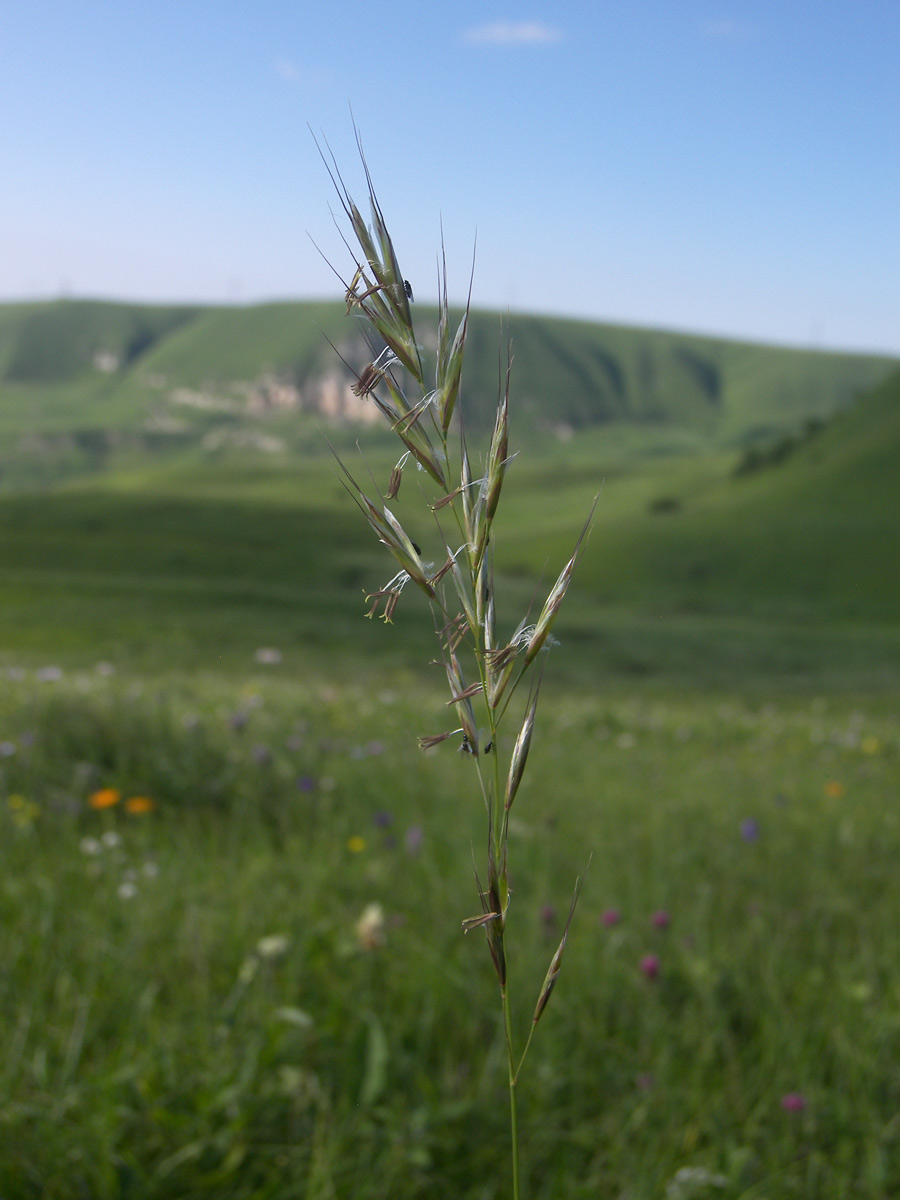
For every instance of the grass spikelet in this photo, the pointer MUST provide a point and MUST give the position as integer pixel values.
(498, 458)
(449, 361)
(460, 695)
(520, 751)
(556, 962)
(554, 600)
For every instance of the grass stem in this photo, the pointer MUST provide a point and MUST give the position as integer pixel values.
(513, 1083)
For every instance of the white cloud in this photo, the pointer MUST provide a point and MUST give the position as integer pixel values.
(287, 69)
(727, 30)
(291, 73)
(513, 33)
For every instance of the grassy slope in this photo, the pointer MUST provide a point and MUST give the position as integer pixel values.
(56, 342)
(569, 373)
(226, 344)
(202, 561)
(815, 535)
(203, 556)
(579, 373)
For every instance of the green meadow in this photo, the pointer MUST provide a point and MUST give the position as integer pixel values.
(231, 885)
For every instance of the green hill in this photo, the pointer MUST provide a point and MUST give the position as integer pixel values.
(84, 364)
(691, 572)
(63, 341)
(815, 535)
(166, 491)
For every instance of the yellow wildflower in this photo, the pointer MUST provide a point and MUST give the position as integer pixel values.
(136, 805)
(105, 798)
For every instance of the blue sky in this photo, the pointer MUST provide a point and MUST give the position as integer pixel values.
(731, 168)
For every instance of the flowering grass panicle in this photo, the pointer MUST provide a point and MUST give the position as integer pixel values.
(419, 399)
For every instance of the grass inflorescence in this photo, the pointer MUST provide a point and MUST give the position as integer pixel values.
(484, 667)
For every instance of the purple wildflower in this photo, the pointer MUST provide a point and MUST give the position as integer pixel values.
(650, 967)
(793, 1102)
(610, 917)
(415, 835)
(750, 829)
(661, 919)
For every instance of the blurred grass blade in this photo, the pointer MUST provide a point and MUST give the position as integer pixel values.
(375, 1074)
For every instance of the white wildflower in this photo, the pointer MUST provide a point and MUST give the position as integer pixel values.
(370, 927)
(274, 945)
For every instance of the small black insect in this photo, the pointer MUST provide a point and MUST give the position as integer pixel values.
(407, 287)
(466, 747)
(417, 549)
(489, 747)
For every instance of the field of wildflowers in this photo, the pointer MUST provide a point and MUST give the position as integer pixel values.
(230, 893)
(232, 964)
